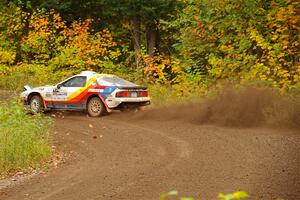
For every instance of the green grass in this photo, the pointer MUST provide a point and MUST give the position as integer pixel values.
(24, 139)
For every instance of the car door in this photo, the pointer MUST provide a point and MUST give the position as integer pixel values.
(66, 91)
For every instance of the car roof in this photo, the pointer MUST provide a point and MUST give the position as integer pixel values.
(107, 75)
(95, 74)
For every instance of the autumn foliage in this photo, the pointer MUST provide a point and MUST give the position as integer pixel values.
(203, 42)
(49, 41)
(243, 40)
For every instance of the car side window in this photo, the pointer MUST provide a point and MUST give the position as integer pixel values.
(78, 81)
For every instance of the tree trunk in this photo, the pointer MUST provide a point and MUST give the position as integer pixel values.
(151, 35)
(136, 35)
(18, 57)
(136, 32)
(153, 39)
(24, 32)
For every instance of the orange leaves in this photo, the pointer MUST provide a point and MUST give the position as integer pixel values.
(200, 24)
(44, 35)
(88, 45)
(259, 40)
(282, 23)
(163, 69)
(52, 42)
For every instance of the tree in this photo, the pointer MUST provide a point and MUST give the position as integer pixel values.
(142, 17)
(15, 19)
(242, 40)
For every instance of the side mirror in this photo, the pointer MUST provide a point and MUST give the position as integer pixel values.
(58, 86)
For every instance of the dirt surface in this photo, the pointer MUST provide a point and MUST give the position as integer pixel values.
(125, 157)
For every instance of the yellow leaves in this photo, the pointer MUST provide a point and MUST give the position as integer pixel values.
(259, 39)
(114, 54)
(50, 41)
(90, 62)
(236, 195)
(296, 74)
(226, 48)
(6, 57)
(56, 17)
(285, 44)
(298, 69)
(223, 47)
(275, 36)
(163, 69)
(274, 61)
(217, 67)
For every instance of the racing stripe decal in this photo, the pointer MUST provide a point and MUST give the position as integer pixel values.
(81, 95)
(79, 91)
(107, 91)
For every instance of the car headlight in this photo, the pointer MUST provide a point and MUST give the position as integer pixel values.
(24, 95)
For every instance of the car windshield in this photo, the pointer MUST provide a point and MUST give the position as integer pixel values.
(113, 81)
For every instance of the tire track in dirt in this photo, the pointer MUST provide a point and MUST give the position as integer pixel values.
(181, 147)
(117, 157)
(87, 154)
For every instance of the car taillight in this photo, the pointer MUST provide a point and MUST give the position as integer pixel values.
(122, 94)
(143, 93)
(133, 94)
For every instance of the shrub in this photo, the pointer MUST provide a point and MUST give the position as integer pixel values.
(247, 40)
(184, 92)
(14, 78)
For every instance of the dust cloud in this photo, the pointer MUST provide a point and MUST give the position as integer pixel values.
(247, 107)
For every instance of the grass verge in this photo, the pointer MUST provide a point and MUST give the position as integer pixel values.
(24, 139)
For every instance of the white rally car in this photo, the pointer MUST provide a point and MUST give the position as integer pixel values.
(90, 91)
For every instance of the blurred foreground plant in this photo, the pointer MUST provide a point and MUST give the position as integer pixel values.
(232, 196)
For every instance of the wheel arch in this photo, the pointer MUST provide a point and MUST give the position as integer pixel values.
(101, 98)
(36, 94)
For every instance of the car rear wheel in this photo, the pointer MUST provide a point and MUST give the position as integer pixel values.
(36, 104)
(95, 107)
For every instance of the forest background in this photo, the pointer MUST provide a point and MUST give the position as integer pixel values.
(179, 48)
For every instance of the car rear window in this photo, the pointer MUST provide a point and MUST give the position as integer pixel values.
(113, 81)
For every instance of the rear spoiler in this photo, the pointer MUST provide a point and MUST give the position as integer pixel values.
(28, 87)
(132, 87)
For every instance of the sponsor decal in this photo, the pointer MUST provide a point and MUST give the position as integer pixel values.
(60, 94)
(48, 95)
(96, 90)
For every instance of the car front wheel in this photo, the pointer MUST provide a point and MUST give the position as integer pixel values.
(36, 104)
(95, 107)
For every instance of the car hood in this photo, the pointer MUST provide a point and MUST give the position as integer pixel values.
(43, 87)
(40, 88)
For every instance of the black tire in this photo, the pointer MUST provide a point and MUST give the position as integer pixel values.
(95, 107)
(36, 104)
